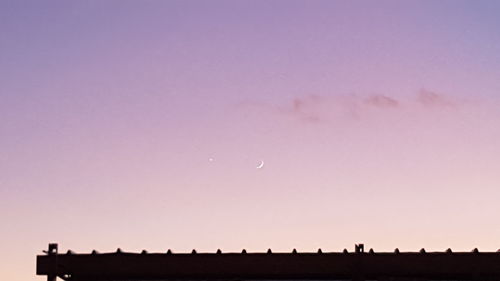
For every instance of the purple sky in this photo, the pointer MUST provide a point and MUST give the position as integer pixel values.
(140, 124)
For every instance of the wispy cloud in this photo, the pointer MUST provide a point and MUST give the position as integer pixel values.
(381, 101)
(433, 99)
(307, 108)
(316, 108)
(321, 108)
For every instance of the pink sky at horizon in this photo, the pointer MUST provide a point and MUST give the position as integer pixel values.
(378, 122)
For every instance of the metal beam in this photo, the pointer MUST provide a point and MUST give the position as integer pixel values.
(359, 265)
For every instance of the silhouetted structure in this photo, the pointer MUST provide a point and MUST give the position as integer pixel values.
(358, 265)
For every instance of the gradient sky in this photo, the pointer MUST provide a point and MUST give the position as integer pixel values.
(378, 121)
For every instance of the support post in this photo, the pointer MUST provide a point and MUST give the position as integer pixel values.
(53, 252)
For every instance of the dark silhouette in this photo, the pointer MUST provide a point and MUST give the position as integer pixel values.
(357, 265)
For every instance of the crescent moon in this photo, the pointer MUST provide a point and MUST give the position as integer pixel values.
(260, 165)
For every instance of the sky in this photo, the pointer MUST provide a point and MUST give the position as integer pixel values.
(141, 124)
